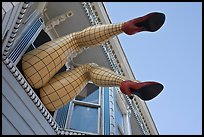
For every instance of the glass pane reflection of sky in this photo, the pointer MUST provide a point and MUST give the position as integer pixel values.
(84, 119)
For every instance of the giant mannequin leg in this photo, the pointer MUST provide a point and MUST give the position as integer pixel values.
(65, 86)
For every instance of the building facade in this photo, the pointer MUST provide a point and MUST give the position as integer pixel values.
(96, 110)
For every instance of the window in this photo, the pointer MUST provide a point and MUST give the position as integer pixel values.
(83, 114)
(84, 118)
(92, 113)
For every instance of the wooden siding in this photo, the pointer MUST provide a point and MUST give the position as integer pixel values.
(19, 113)
(9, 12)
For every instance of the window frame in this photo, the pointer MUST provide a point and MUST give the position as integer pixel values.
(86, 104)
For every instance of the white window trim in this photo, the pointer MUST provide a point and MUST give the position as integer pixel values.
(124, 110)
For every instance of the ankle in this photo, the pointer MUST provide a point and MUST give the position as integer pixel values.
(124, 87)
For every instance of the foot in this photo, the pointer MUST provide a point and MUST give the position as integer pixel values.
(150, 22)
(144, 90)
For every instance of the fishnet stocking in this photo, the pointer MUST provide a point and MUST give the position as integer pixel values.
(65, 86)
(98, 34)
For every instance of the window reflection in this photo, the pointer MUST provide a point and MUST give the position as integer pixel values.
(89, 94)
(84, 119)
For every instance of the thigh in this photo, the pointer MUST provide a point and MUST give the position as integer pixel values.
(63, 87)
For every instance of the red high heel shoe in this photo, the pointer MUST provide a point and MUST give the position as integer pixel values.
(144, 90)
(150, 22)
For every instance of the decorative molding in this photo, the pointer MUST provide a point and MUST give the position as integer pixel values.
(140, 119)
(133, 108)
(57, 20)
(15, 30)
(112, 111)
(62, 131)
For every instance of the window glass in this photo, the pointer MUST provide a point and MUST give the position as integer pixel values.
(84, 119)
(89, 94)
(42, 38)
(106, 111)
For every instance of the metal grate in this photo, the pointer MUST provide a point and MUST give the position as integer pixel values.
(62, 116)
(26, 40)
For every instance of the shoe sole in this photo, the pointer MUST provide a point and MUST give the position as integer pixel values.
(148, 92)
(153, 23)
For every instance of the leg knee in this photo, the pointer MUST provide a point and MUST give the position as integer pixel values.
(93, 64)
(90, 66)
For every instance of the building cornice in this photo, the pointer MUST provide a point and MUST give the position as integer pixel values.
(10, 36)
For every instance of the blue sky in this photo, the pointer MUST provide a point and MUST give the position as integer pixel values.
(172, 56)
